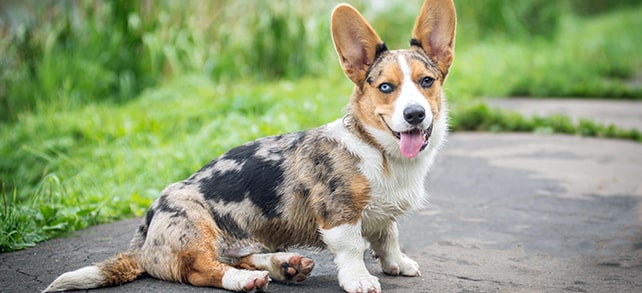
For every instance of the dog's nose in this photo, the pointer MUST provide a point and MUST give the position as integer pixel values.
(414, 114)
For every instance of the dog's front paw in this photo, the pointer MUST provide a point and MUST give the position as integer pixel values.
(359, 283)
(404, 266)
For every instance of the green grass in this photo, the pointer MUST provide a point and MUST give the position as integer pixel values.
(98, 140)
(101, 163)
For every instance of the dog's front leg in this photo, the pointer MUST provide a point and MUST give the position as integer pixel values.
(347, 245)
(385, 243)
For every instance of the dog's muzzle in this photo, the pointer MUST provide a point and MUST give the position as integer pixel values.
(413, 141)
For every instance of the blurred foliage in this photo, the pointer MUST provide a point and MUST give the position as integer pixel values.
(65, 54)
(591, 7)
(511, 19)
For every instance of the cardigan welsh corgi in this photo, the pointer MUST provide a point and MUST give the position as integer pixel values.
(340, 186)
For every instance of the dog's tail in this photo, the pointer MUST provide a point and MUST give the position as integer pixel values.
(121, 268)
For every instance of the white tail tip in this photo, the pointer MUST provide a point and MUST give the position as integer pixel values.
(85, 278)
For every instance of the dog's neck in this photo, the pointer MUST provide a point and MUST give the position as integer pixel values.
(359, 130)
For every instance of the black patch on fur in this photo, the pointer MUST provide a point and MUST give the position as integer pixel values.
(228, 224)
(369, 80)
(237, 154)
(258, 179)
(379, 53)
(148, 217)
(241, 153)
(165, 207)
(415, 42)
(381, 48)
(334, 184)
(142, 229)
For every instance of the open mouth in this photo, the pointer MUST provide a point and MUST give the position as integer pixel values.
(413, 141)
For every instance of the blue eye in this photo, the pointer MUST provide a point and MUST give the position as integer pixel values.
(386, 88)
(426, 82)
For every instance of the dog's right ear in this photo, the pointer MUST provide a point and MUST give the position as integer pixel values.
(355, 41)
(434, 31)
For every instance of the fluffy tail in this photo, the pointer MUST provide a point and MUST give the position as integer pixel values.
(119, 269)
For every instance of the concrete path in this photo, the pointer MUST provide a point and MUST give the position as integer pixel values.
(622, 113)
(509, 212)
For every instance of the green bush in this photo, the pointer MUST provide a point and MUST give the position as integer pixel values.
(510, 19)
(68, 56)
(480, 117)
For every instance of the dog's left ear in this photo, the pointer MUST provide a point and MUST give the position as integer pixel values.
(434, 31)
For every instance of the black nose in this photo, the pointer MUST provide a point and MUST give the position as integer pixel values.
(414, 114)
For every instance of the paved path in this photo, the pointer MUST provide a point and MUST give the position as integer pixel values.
(509, 212)
(622, 113)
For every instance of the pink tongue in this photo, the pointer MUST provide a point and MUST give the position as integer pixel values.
(410, 143)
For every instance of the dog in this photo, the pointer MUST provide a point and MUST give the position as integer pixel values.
(339, 186)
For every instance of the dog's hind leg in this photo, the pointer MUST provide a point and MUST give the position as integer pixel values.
(193, 259)
(198, 262)
(200, 268)
(180, 244)
(283, 266)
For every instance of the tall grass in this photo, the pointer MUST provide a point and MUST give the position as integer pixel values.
(104, 103)
(68, 54)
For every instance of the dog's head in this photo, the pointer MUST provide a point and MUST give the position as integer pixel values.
(397, 92)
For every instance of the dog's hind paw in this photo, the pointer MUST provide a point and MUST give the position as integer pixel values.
(294, 267)
(244, 280)
(259, 283)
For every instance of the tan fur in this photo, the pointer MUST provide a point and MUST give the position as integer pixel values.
(246, 263)
(199, 264)
(329, 212)
(120, 269)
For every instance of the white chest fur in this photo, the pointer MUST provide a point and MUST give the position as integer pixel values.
(397, 185)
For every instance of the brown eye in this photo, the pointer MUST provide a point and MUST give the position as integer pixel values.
(426, 82)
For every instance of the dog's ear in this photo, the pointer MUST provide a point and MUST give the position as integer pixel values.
(355, 41)
(434, 31)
